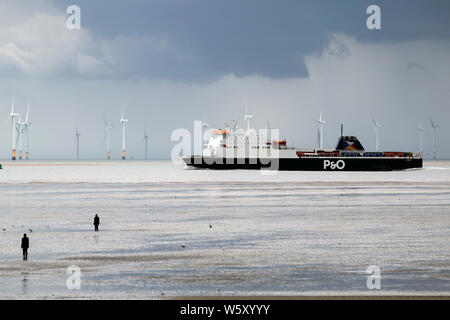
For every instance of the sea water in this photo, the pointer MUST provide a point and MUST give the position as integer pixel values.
(171, 231)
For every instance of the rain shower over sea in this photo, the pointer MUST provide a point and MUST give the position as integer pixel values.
(170, 231)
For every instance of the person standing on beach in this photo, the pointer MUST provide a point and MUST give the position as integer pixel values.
(25, 246)
(96, 222)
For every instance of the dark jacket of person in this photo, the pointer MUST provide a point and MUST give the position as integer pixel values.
(96, 221)
(25, 243)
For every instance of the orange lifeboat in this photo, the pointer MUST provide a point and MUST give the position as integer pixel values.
(220, 131)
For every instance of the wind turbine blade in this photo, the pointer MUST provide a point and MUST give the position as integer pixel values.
(104, 119)
(377, 124)
(28, 113)
(433, 124)
(268, 125)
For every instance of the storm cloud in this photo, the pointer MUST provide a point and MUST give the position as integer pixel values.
(168, 63)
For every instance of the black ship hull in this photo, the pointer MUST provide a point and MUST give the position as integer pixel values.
(308, 164)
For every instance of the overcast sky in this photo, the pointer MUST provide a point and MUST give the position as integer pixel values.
(168, 63)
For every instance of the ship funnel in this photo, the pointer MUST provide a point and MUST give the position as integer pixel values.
(349, 143)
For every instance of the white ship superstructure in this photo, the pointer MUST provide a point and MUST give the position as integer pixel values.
(235, 148)
(239, 143)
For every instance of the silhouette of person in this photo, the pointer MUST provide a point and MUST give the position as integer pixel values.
(25, 246)
(96, 222)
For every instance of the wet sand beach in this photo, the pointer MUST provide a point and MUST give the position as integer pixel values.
(166, 232)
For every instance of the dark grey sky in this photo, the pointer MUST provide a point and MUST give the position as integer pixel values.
(246, 37)
(170, 62)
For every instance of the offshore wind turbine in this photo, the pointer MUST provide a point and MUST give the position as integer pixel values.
(420, 129)
(204, 123)
(108, 125)
(435, 126)
(318, 137)
(320, 121)
(269, 131)
(247, 117)
(204, 126)
(123, 122)
(19, 129)
(146, 136)
(77, 137)
(13, 125)
(377, 131)
(26, 129)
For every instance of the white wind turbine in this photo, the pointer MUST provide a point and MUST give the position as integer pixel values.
(204, 123)
(108, 125)
(377, 131)
(77, 137)
(435, 126)
(19, 129)
(123, 122)
(420, 129)
(269, 131)
(146, 137)
(247, 117)
(13, 124)
(26, 129)
(204, 126)
(320, 121)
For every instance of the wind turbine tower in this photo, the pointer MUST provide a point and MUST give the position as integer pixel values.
(247, 117)
(108, 126)
(146, 136)
(320, 121)
(77, 137)
(435, 126)
(269, 131)
(204, 123)
(420, 129)
(19, 128)
(377, 131)
(13, 124)
(26, 128)
(123, 122)
(204, 126)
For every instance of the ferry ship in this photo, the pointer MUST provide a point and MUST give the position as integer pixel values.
(233, 148)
